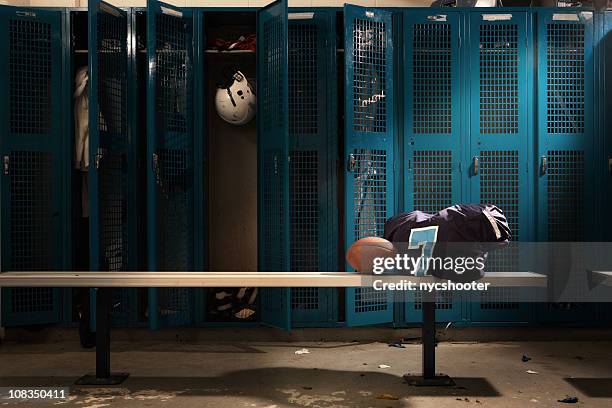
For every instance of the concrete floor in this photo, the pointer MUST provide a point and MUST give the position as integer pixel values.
(271, 375)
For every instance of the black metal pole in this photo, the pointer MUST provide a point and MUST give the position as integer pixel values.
(103, 333)
(429, 335)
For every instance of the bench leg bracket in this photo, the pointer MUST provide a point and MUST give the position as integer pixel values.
(103, 375)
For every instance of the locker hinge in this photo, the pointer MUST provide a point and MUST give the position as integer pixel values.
(6, 164)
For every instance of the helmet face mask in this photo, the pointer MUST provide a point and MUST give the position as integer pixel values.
(236, 103)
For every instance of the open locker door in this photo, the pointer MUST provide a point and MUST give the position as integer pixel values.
(369, 146)
(172, 196)
(273, 158)
(32, 159)
(111, 170)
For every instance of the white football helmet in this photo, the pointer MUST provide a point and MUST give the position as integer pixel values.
(236, 102)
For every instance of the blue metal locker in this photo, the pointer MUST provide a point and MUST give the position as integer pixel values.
(606, 108)
(432, 128)
(32, 158)
(273, 158)
(369, 145)
(174, 197)
(565, 141)
(499, 145)
(312, 166)
(111, 144)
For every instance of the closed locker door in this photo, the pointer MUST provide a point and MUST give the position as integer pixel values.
(432, 128)
(273, 159)
(312, 166)
(32, 160)
(499, 146)
(369, 146)
(607, 124)
(173, 197)
(565, 151)
(111, 177)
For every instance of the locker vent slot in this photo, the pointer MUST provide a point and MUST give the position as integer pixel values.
(565, 78)
(565, 195)
(499, 299)
(444, 300)
(305, 298)
(31, 300)
(499, 88)
(370, 300)
(499, 185)
(303, 78)
(112, 125)
(29, 99)
(431, 79)
(370, 192)
(432, 180)
(173, 77)
(273, 217)
(369, 76)
(304, 210)
(272, 88)
(31, 181)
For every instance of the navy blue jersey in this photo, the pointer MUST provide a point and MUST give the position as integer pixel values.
(465, 230)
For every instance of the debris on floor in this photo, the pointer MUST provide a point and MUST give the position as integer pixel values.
(302, 351)
(397, 344)
(531, 372)
(384, 366)
(569, 400)
(525, 358)
(387, 397)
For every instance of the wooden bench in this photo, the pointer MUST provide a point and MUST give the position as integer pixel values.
(106, 280)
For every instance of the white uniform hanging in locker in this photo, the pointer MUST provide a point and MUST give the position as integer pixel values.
(81, 133)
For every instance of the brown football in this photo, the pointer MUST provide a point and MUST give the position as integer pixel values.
(362, 253)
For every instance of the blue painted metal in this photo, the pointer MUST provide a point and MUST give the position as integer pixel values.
(173, 197)
(606, 105)
(273, 158)
(432, 128)
(31, 146)
(369, 145)
(312, 169)
(499, 145)
(566, 139)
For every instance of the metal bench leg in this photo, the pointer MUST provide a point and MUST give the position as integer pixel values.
(103, 374)
(428, 334)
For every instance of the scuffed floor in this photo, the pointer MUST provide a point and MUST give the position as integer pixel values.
(271, 375)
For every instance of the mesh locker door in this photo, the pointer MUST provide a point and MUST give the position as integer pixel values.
(312, 168)
(432, 129)
(173, 198)
(273, 158)
(369, 145)
(30, 144)
(565, 141)
(109, 143)
(499, 146)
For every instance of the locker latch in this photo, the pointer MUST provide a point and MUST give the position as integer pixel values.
(476, 165)
(99, 156)
(6, 162)
(352, 162)
(543, 165)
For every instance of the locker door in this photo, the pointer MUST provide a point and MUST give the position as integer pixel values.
(173, 197)
(111, 177)
(31, 147)
(607, 108)
(369, 145)
(565, 142)
(273, 158)
(432, 128)
(499, 145)
(312, 168)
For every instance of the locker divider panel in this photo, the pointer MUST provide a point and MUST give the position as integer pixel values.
(273, 159)
(566, 140)
(32, 167)
(499, 137)
(173, 199)
(432, 118)
(369, 146)
(312, 132)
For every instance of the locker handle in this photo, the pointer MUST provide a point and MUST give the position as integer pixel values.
(543, 165)
(352, 162)
(6, 163)
(476, 165)
(99, 156)
(610, 165)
